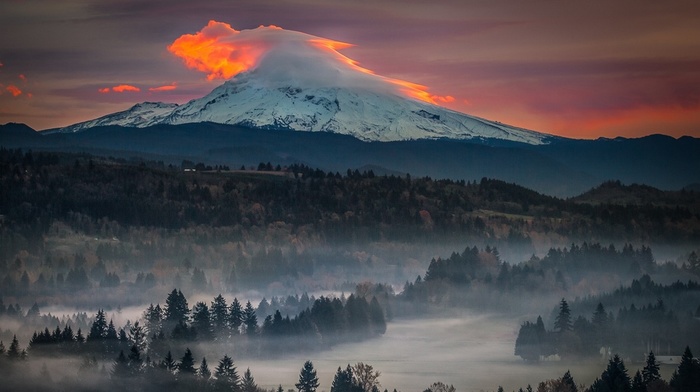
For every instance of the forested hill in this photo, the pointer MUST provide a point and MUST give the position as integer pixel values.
(38, 189)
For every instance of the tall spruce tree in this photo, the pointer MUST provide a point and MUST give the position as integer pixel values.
(687, 377)
(227, 378)
(563, 320)
(250, 320)
(248, 382)
(650, 372)
(308, 381)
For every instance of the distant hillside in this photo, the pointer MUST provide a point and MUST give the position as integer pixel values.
(564, 167)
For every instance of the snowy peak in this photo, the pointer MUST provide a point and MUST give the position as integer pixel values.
(140, 115)
(367, 114)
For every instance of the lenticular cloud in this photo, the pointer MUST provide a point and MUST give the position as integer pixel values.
(283, 58)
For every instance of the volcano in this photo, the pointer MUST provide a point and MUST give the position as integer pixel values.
(301, 82)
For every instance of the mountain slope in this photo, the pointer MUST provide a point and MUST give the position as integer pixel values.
(250, 100)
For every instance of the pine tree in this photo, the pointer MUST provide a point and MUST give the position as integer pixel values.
(201, 321)
(186, 365)
(650, 372)
(13, 352)
(153, 317)
(168, 363)
(137, 336)
(563, 320)
(219, 317)
(687, 377)
(227, 378)
(176, 308)
(98, 330)
(248, 382)
(250, 320)
(120, 369)
(568, 381)
(235, 317)
(343, 381)
(204, 371)
(638, 383)
(308, 381)
(615, 377)
(135, 363)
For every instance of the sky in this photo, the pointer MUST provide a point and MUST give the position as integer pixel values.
(576, 69)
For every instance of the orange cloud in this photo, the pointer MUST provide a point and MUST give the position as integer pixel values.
(222, 52)
(215, 51)
(22, 77)
(119, 89)
(14, 90)
(125, 87)
(167, 87)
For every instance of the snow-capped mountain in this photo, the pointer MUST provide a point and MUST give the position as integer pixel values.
(365, 114)
(301, 82)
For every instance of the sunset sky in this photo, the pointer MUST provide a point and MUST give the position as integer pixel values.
(583, 69)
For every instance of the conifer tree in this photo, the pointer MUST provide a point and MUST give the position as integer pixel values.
(308, 381)
(13, 352)
(687, 377)
(248, 382)
(98, 330)
(186, 365)
(250, 320)
(227, 378)
(201, 321)
(650, 372)
(235, 317)
(563, 320)
(219, 316)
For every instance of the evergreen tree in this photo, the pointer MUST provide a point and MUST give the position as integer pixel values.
(568, 381)
(186, 365)
(98, 330)
(250, 320)
(687, 377)
(204, 371)
(176, 308)
(308, 381)
(120, 369)
(563, 320)
(135, 363)
(13, 352)
(219, 317)
(201, 321)
(342, 382)
(248, 382)
(168, 363)
(638, 383)
(614, 378)
(650, 372)
(153, 317)
(137, 336)
(227, 378)
(235, 316)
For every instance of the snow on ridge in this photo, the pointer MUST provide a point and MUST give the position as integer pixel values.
(369, 115)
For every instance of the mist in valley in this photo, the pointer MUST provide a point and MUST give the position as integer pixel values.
(471, 284)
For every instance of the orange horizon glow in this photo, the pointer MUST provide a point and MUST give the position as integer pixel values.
(223, 52)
